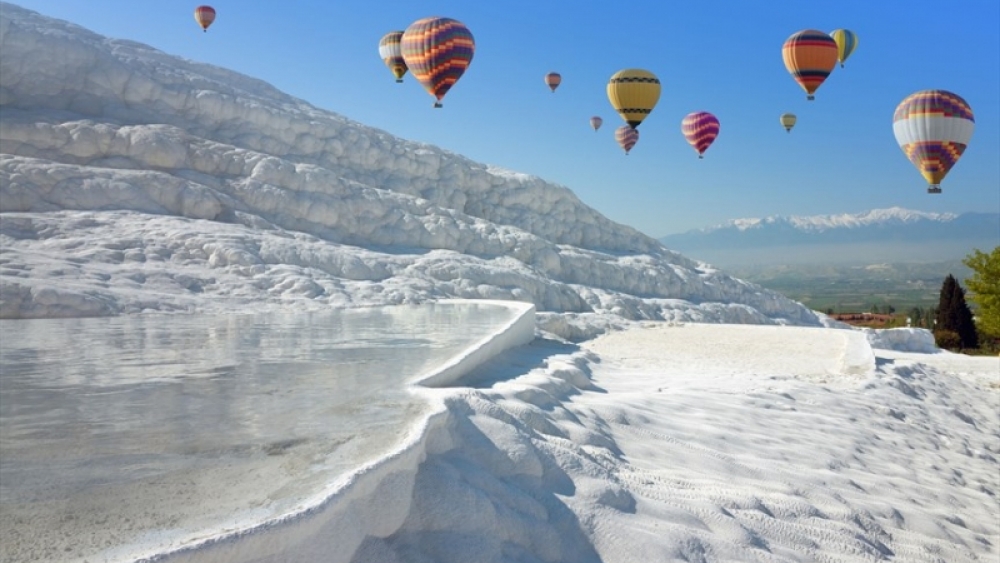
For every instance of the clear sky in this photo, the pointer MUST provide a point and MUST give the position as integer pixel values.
(721, 56)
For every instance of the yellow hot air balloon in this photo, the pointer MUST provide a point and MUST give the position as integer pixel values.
(847, 42)
(788, 121)
(633, 93)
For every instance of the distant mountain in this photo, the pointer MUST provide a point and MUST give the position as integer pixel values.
(879, 235)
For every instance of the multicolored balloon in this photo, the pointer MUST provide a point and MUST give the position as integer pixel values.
(847, 42)
(810, 57)
(596, 122)
(788, 121)
(933, 127)
(700, 129)
(437, 51)
(553, 80)
(204, 15)
(633, 93)
(627, 137)
(389, 48)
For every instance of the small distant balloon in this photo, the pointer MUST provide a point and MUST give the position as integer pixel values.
(810, 57)
(933, 127)
(391, 53)
(788, 121)
(437, 51)
(627, 137)
(847, 42)
(204, 15)
(552, 80)
(700, 129)
(596, 122)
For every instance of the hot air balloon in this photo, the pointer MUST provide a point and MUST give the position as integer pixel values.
(810, 56)
(552, 80)
(633, 93)
(788, 121)
(700, 129)
(847, 42)
(437, 51)
(204, 15)
(392, 56)
(933, 127)
(627, 136)
(596, 122)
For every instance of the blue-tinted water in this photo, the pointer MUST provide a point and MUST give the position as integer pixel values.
(112, 429)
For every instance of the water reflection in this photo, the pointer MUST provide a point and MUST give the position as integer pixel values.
(267, 407)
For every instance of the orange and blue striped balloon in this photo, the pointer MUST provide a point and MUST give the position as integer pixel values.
(810, 57)
(437, 51)
(933, 127)
(700, 129)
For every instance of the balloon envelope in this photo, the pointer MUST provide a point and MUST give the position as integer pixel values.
(633, 93)
(847, 42)
(700, 129)
(552, 80)
(204, 15)
(627, 137)
(437, 51)
(788, 121)
(933, 127)
(809, 56)
(389, 48)
(596, 122)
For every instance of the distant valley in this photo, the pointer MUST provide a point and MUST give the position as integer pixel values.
(847, 262)
(892, 235)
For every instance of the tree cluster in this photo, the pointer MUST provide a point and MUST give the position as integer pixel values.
(984, 289)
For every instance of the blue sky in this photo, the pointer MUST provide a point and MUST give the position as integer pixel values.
(722, 56)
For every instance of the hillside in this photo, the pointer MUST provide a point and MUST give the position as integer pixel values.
(128, 174)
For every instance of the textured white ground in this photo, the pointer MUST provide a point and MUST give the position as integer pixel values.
(714, 443)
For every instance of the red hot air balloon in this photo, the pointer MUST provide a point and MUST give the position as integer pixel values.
(204, 15)
(700, 129)
(627, 137)
(437, 51)
(552, 80)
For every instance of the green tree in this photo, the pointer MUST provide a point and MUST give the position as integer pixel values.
(984, 290)
(954, 314)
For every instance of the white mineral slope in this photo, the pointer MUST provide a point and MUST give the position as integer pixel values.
(133, 180)
(712, 443)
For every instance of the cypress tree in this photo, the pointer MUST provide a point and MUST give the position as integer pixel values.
(964, 325)
(945, 317)
(954, 315)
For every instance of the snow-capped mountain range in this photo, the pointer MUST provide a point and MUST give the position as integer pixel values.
(132, 180)
(876, 235)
